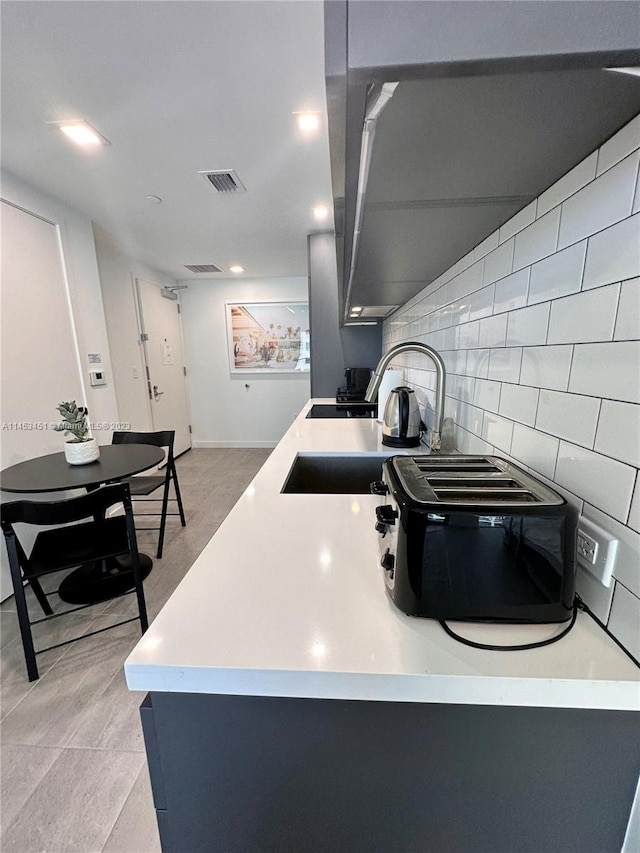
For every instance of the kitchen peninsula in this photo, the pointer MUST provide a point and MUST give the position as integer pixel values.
(292, 707)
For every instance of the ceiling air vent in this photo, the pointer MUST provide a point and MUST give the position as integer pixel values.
(224, 181)
(202, 268)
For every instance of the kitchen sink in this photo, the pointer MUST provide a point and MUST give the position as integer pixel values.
(334, 473)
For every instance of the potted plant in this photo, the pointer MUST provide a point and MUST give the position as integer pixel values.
(81, 447)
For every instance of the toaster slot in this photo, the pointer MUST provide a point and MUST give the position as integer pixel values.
(484, 496)
(474, 483)
(455, 467)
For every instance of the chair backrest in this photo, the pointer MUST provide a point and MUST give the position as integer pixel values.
(164, 438)
(64, 511)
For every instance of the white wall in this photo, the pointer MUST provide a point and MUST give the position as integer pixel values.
(224, 412)
(84, 286)
(539, 327)
(118, 273)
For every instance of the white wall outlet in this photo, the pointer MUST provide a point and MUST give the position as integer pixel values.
(597, 550)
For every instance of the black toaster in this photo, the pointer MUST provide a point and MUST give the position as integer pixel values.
(475, 538)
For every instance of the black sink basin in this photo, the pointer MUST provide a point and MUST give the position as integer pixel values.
(334, 473)
(352, 410)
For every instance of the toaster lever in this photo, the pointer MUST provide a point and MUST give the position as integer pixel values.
(386, 513)
(388, 562)
(378, 487)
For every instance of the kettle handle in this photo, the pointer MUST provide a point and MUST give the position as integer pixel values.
(404, 412)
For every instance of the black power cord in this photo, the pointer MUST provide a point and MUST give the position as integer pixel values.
(576, 606)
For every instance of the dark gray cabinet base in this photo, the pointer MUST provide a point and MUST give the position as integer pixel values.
(237, 774)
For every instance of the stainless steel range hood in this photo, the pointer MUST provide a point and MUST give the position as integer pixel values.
(461, 146)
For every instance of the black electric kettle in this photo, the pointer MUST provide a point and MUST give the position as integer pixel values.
(401, 423)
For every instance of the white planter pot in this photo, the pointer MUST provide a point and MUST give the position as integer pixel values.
(81, 452)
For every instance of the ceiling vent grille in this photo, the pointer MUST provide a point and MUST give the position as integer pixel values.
(224, 181)
(202, 268)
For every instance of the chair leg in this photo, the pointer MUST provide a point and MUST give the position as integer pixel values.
(34, 583)
(163, 518)
(174, 475)
(137, 574)
(23, 617)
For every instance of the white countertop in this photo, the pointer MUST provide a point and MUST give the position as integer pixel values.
(288, 599)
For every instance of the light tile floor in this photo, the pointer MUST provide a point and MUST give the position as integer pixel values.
(73, 769)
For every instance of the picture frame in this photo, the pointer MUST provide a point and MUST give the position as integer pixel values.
(268, 338)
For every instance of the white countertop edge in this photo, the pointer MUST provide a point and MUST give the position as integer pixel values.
(437, 689)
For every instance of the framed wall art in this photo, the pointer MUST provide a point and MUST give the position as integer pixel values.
(268, 337)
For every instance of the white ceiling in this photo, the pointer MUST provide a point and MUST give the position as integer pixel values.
(177, 86)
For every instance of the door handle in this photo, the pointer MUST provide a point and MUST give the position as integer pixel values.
(157, 394)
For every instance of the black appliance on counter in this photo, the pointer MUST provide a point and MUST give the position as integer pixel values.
(357, 380)
(475, 538)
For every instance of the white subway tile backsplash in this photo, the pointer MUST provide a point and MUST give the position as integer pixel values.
(546, 367)
(468, 417)
(493, 331)
(528, 326)
(504, 364)
(628, 319)
(558, 275)
(523, 218)
(584, 317)
(467, 335)
(608, 370)
(569, 416)
(467, 442)
(481, 303)
(498, 263)
(519, 402)
(625, 618)
(627, 565)
(634, 512)
(535, 449)
(537, 240)
(471, 278)
(486, 394)
(539, 326)
(619, 431)
(497, 431)
(478, 362)
(511, 292)
(486, 246)
(603, 482)
(601, 203)
(613, 254)
(573, 181)
(623, 143)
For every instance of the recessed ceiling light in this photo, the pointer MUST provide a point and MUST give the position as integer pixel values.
(154, 199)
(236, 268)
(356, 311)
(82, 133)
(320, 211)
(308, 122)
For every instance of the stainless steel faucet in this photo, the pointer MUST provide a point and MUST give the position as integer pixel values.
(435, 435)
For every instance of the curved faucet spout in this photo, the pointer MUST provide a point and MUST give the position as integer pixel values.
(435, 435)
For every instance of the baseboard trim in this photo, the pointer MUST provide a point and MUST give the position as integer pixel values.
(213, 444)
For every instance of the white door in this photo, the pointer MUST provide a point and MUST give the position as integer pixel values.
(162, 345)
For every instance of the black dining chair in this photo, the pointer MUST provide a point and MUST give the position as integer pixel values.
(94, 538)
(142, 486)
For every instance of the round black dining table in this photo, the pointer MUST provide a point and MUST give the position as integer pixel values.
(93, 582)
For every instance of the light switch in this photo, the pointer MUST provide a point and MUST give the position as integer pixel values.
(97, 377)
